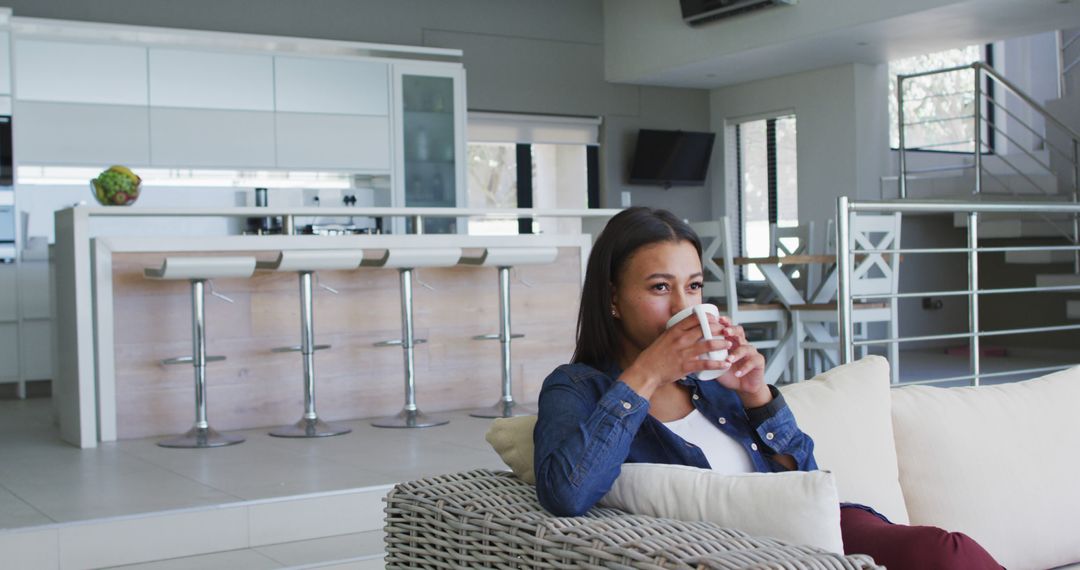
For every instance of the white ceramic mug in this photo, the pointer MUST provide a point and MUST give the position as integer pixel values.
(702, 312)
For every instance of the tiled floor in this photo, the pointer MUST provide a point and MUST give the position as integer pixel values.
(351, 551)
(44, 480)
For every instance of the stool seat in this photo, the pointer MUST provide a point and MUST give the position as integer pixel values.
(314, 260)
(512, 256)
(202, 268)
(414, 257)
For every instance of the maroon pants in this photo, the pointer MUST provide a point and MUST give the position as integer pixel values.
(902, 547)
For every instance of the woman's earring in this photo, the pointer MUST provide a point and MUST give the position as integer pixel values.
(614, 313)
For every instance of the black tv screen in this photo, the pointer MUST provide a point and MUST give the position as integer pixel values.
(671, 158)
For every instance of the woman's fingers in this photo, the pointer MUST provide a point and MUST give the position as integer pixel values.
(745, 358)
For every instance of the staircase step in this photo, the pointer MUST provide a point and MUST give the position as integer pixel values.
(1018, 229)
(261, 525)
(1057, 280)
(1039, 257)
(1072, 309)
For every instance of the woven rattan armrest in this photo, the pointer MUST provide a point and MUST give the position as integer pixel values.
(488, 519)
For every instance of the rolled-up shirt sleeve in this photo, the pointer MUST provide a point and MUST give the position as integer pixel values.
(581, 442)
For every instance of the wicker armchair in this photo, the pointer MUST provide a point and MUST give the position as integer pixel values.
(487, 519)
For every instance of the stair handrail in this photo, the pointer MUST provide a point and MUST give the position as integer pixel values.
(982, 70)
(979, 69)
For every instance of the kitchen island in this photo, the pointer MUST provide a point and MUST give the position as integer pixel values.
(114, 327)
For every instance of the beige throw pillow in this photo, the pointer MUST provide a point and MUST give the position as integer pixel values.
(847, 411)
(796, 507)
(512, 439)
(999, 463)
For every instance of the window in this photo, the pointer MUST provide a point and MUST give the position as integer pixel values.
(938, 109)
(527, 161)
(767, 179)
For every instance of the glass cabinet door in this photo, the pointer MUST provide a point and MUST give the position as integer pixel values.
(430, 144)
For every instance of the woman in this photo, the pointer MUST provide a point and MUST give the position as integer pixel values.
(631, 394)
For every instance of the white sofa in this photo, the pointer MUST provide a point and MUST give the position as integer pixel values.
(998, 463)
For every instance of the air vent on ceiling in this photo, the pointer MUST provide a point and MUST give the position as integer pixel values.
(697, 12)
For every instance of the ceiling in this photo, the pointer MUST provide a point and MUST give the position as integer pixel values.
(953, 25)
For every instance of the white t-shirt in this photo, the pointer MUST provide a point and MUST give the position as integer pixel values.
(724, 454)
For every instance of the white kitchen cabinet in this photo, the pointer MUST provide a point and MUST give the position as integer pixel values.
(34, 298)
(75, 72)
(5, 63)
(9, 352)
(328, 85)
(35, 350)
(306, 140)
(9, 297)
(211, 80)
(72, 134)
(211, 138)
(429, 107)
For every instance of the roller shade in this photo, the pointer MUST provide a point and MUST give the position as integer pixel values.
(487, 127)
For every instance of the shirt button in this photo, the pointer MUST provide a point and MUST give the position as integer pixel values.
(753, 446)
(695, 396)
(722, 420)
(769, 436)
(626, 405)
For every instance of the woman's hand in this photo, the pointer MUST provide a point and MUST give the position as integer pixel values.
(673, 355)
(746, 375)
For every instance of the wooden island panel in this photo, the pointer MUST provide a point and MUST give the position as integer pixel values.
(354, 379)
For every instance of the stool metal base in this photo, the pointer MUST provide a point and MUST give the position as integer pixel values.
(310, 428)
(502, 409)
(197, 437)
(410, 419)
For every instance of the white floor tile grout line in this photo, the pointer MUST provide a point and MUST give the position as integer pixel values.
(336, 562)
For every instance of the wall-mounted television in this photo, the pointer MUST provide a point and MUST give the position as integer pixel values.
(671, 158)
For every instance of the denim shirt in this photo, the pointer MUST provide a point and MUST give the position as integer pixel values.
(590, 423)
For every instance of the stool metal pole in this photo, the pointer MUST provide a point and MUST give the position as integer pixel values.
(505, 407)
(410, 416)
(309, 425)
(201, 434)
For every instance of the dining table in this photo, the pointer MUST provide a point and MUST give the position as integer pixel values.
(781, 285)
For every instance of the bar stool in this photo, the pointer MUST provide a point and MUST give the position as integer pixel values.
(305, 263)
(504, 258)
(199, 270)
(406, 260)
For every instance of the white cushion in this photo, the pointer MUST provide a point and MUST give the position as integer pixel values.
(796, 507)
(847, 412)
(512, 439)
(999, 463)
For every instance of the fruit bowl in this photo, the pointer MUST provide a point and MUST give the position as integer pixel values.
(116, 186)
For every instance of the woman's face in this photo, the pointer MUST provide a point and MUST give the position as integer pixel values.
(658, 280)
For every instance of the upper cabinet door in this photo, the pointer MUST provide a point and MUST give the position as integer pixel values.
(73, 72)
(5, 63)
(211, 80)
(335, 86)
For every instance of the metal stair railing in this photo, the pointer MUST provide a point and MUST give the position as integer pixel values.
(847, 252)
(1068, 174)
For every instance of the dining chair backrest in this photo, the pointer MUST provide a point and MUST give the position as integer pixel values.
(791, 240)
(875, 273)
(796, 240)
(716, 244)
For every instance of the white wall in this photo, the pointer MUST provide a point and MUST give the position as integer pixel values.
(841, 137)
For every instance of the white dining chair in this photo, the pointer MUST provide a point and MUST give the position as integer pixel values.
(871, 274)
(796, 240)
(720, 285)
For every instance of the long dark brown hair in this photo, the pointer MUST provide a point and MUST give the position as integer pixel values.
(624, 234)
